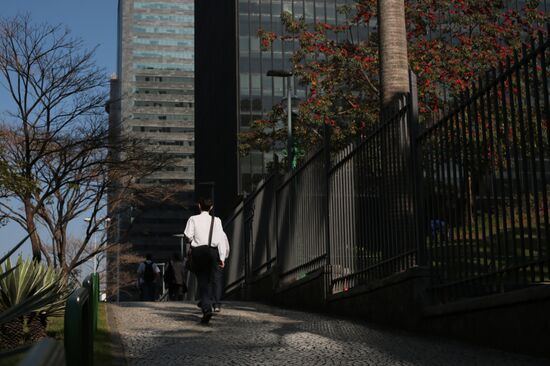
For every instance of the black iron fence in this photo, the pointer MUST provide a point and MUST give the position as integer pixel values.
(371, 204)
(486, 169)
(468, 197)
(301, 219)
(235, 266)
(252, 225)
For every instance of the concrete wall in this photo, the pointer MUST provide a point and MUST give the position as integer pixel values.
(517, 321)
(262, 287)
(396, 300)
(308, 293)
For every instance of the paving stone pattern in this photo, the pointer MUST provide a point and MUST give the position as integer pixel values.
(169, 333)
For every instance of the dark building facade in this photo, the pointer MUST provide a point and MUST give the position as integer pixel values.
(216, 102)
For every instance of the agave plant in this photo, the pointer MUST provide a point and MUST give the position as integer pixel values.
(37, 321)
(32, 291)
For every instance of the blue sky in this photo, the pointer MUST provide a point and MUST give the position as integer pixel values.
(94, 21)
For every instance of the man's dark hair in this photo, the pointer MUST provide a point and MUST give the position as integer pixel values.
(149, 257)
(205, 203)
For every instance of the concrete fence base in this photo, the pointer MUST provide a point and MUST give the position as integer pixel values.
(518, 321)
(396, 300)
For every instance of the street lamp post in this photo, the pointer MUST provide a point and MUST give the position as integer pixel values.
(290, 147)
(88, 219)
(118, 258)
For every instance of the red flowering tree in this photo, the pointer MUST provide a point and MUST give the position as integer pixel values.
(450, 42)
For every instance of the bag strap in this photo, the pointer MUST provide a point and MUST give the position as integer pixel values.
(211, 230)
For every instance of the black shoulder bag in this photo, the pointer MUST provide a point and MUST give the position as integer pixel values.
(200, 258)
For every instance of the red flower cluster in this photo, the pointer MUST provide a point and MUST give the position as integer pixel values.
(447, 47)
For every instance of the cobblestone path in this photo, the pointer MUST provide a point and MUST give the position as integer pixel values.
(169, 333)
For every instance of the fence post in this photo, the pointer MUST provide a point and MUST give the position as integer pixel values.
(326, 152)
(95, 298)
(416, 171)
(91, 283)
(247, 238)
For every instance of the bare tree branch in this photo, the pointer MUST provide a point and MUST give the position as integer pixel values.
(58, 144)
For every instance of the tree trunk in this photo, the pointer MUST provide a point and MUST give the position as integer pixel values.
(31, 227)
(37, 324)
(394, 82)
(11, 334)
(394, 66)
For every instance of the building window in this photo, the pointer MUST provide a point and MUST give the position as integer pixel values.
(169, 30)
(158, 66)
(165, 18)
(163, 6)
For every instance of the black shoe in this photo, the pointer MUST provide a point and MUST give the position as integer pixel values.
(217, 309)
(199, 304)
(206, 317)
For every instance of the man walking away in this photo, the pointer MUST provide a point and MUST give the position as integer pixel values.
(174, 277)
(217, 283)
(205, 232)
(148, 273)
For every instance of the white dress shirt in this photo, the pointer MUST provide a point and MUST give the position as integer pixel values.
(225, 243)
(198, 230)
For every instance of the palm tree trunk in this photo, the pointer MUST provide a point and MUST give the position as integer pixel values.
(394, 66)
(37, 324)
(394, 80)
(11, 334)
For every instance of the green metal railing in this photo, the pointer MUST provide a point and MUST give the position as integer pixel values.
(92, 284)
(81, 323)
(81, 315)
(47, 352)
(79, 345)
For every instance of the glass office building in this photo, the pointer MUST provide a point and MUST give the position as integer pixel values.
(155, 83)
(258, 92)
(156, 71)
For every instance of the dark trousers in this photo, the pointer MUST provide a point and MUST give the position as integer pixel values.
(205, 278)
(148, 291)
(217, 286)
(175, 292)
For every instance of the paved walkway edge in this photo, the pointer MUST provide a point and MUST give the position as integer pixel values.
(117, 347)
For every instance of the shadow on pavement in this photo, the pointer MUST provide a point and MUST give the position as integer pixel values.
(258, 330)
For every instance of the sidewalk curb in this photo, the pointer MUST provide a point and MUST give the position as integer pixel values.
(119, 355)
